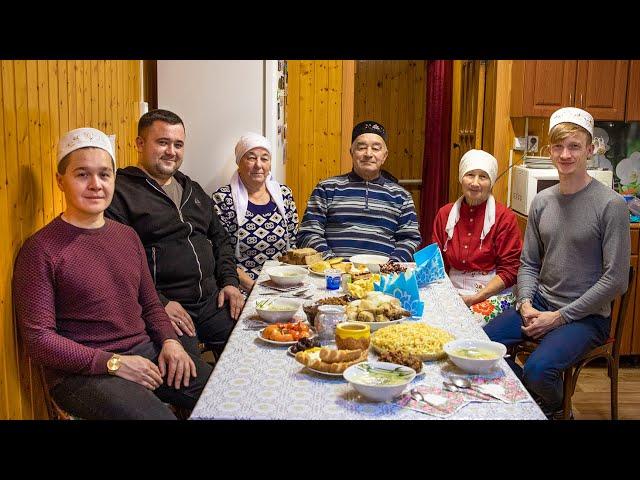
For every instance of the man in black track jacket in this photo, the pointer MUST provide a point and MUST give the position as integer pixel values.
(190, 255)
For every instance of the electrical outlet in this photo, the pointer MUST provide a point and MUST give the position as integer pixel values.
(519, 144)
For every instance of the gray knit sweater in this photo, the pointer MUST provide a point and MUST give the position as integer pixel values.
(576, 250)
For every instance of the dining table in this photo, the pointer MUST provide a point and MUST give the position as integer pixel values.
(257, 380)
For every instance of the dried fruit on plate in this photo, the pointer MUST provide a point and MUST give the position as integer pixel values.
(286, 332)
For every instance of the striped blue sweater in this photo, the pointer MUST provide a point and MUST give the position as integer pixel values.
(347, 215)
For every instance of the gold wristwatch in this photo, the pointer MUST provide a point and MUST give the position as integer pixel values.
(113, 364)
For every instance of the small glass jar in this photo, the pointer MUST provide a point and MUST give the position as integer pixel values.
(352, 336)
(345, 280)
(327, 318)
(332, 276)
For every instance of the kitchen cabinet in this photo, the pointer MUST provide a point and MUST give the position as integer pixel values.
(540, 87)
(630, 341)
(632, 112)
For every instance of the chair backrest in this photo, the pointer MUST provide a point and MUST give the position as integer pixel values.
(620, 318)
(54, 411)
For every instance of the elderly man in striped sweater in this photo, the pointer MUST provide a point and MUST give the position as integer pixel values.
(362, 212)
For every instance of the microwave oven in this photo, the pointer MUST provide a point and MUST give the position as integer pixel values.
(527, 182)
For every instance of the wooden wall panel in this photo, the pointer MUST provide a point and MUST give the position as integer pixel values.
(4, 266)
(40, 101)
(393, 93)
(502, 129)
(315, 119)
(10, 240)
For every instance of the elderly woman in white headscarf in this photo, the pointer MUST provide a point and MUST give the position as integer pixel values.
(258, 213)
(479, 239)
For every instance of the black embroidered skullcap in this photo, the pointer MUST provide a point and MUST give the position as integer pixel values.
(368, 126)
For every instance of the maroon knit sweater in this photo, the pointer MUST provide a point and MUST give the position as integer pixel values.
(83, 294)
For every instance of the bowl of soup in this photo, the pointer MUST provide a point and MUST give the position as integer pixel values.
(277, 309)
(379, 381)
(287, 276)
(372, 262)
(475, 356)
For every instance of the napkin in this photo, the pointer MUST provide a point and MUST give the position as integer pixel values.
(429, 265)
(404, 287)
(438, 402)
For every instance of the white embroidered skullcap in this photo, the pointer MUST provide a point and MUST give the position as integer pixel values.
(478, 159)
(249, 141)
(573, 115)
(85, 137)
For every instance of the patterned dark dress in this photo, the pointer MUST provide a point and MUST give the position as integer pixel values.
(264, 235)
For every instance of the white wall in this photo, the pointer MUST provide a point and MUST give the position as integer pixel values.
(218, 101)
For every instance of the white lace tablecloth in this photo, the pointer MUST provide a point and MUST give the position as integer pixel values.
(257, 380)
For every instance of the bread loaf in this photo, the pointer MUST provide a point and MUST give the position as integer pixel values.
(303, 357)
(300, 253)
(301, 256)
(311, 259)
(337, 367)
(330, 355)
(312, 360)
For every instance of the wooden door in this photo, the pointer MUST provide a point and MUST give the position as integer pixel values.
(632, 112)
(601, 88)
(393, 92)
(540, 87)
(467, 116)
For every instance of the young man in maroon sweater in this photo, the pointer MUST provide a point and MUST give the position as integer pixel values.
(86, 305)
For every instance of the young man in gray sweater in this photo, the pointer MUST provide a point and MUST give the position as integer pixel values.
(574, 262)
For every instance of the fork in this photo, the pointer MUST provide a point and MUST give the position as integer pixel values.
(304, 293)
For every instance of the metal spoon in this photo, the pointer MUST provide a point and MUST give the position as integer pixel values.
(450, 386)
(462, 382)
(415, 394)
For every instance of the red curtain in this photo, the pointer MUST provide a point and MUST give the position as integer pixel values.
(437, 144)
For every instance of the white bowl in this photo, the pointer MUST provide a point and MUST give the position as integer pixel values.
(364, 381)
(372, 262)
(286, 276)
(285, 309)
(474, 365)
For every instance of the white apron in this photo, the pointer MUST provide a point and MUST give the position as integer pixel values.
(469, 283)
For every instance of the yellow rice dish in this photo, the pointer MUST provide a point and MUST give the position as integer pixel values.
(418, 339)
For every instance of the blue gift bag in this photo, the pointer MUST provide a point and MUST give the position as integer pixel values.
(429, 265)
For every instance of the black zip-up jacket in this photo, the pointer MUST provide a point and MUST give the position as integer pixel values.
(189, 252)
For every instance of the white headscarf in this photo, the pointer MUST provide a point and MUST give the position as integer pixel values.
(474, 160)
(247, 142)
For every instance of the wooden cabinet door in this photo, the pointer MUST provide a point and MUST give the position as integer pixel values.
(633, 92)
(540, 87)
(601, 88)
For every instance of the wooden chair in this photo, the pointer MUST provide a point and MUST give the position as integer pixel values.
(208, 352)
(610, 351)
(57, 413)
(53, 409)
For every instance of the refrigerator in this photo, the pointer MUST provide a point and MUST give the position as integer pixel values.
(218, 101)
